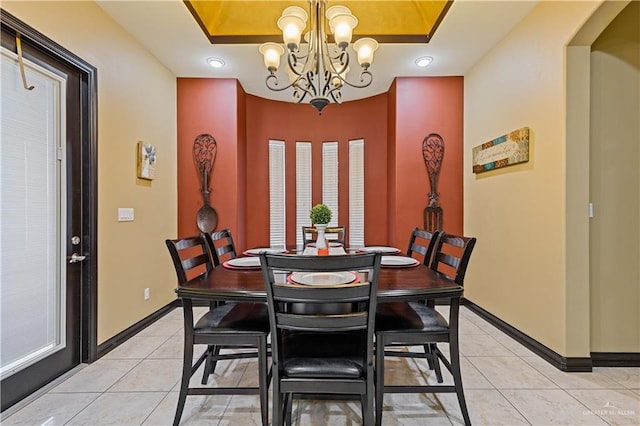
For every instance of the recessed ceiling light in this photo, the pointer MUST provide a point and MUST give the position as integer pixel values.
(216, 62)
(423, 61)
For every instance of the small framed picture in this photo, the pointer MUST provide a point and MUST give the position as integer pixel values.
(146, 161)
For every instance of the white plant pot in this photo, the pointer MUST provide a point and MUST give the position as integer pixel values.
(321, 241)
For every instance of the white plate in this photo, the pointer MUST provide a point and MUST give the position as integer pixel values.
(244, 262)
(398, 261)
(256, 251)
(323, 278)
(381, 249)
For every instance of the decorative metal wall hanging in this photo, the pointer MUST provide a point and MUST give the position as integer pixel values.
(506, 150)
(433, 153)
(205, 150)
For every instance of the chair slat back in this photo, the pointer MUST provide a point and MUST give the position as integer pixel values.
(421, 244)
(357, 292)
(312, 308)
(221, 246)
(451, 255)
(323, 323)
(190, 256)
(336, 234)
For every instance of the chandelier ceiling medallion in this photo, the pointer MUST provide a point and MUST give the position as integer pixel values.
(318, 69)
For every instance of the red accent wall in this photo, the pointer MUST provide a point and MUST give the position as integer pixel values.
(423, 106)
(393, 126)
(210, 106)
(267, 119)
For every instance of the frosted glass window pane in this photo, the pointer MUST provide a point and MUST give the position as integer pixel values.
(31, 272)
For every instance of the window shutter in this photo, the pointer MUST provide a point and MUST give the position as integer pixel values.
(303, 188)
(277, 191)
(330, 179)
(356, 193)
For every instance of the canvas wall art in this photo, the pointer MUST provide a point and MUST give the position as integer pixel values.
(506, 150)
(146, 161)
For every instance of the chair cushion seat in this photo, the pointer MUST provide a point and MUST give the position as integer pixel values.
(235, 318)
(408, 317)
(330, 355)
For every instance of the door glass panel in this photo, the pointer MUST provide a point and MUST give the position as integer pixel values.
(32, 214)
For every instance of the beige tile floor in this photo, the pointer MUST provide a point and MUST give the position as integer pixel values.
(505, 384)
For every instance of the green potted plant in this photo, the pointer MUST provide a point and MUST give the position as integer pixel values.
(320, 215)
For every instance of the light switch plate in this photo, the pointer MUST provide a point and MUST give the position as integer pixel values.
(125, 214)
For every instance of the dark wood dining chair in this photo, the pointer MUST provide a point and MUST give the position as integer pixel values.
(336, 234)
(413, 324)
(243, 325)
(222, 246)
(421, 245)
(315, 348)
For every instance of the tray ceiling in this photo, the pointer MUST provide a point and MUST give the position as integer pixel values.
(246, 21)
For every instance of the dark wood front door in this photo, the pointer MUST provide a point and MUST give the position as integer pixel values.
(62, 339)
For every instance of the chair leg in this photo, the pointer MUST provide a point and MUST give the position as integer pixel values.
(184, 385)
(379, 399)
(433, 349)
(278, 405)
(263, 383)
(363, 409)
(454, 359)
(210, 364)
(367, 402)
(429, 356)
(457, 380)
(288, 411)
(186, 361)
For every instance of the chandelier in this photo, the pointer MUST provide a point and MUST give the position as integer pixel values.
(318, 69)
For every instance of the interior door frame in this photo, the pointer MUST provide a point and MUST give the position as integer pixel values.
(89, 172)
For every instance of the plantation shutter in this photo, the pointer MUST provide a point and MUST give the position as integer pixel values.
(277, 192)
(303, 188)
(356, 193)
(330, 179)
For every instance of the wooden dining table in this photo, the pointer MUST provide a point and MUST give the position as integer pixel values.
(247, 285)
(415, 283)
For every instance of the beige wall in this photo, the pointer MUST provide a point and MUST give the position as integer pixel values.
(136, 101)
(615, 185)
(519, 268)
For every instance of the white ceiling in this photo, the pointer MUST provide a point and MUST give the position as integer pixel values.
(168, 30)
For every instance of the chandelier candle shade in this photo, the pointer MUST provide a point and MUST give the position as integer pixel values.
(317, 69)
